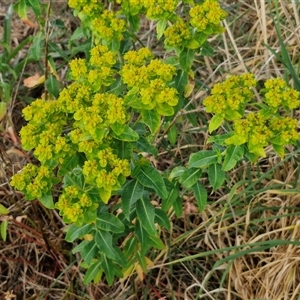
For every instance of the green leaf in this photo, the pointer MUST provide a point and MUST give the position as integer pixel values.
(173, 193)
(142, 260)
(58, 50)
(165, 109)
(104, 242)
(162, 219)
(156, 242)
(219, 139)
(80, 247)
(132, 191)
(279, 149)
(108, 268)
(124, 149)
(119, 256)
(203, 159)
(117, 128)
(189, 177)
(3, 230)
(146, 214)
(74, 232)
(201, 195)
(215, 122)
(21, 9)
(193, 44)
(47, 200)
(143, 237)
(134, 22)
(74, 178)
(177, 172)
(232, 156)
(152, 119)
(108, 222)
(3, 210)
(151, 178)
(52, 85)
(207, 49)
(186, 58)
(7, 25)
(216, 176)
(36, 48)
(68, 164)
(172, 135)
(128, 135)
(77, 34)
(89, 252)
(143, 145)
(93, 271)
(160, 28)
(181, 80)
(131, 243)
(178, 207)
(36, 7)
(236, 139)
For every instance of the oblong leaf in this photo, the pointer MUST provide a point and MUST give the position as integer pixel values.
(128, 135)
(202, 159)
(233, 155)
(109, 222)
(173, 193)
(92, 271)
(151, 178)
(143, 145)
(131, 192)
(162, 219)
(189, 177)
(89, 251)
(143, 237)
(74, 232)
(215, 122)
(216, 176)
(146, 214)
(47, 200)
(152, 119)
(201, 195)
(104, 241)
(186, 58)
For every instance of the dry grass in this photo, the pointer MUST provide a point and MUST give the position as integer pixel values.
(203, 259)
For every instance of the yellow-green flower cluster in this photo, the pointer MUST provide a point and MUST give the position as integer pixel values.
(253, 129)
(284, 130)
(206, 17)
(74, 203)
(132, 6)
(229, 98)
(178, 34)
(43, 133)
(86, 8)
(108, 26)
(91, 120)
(33, 181)
(105, 169)
(94, 73)
(258, 131)
(159, 9)
(149, 82)
(279, 94)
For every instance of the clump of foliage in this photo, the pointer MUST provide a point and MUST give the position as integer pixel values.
(91, 138)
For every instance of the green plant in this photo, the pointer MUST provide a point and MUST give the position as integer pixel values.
(11, 65)
(93, 137)
(3, 227)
